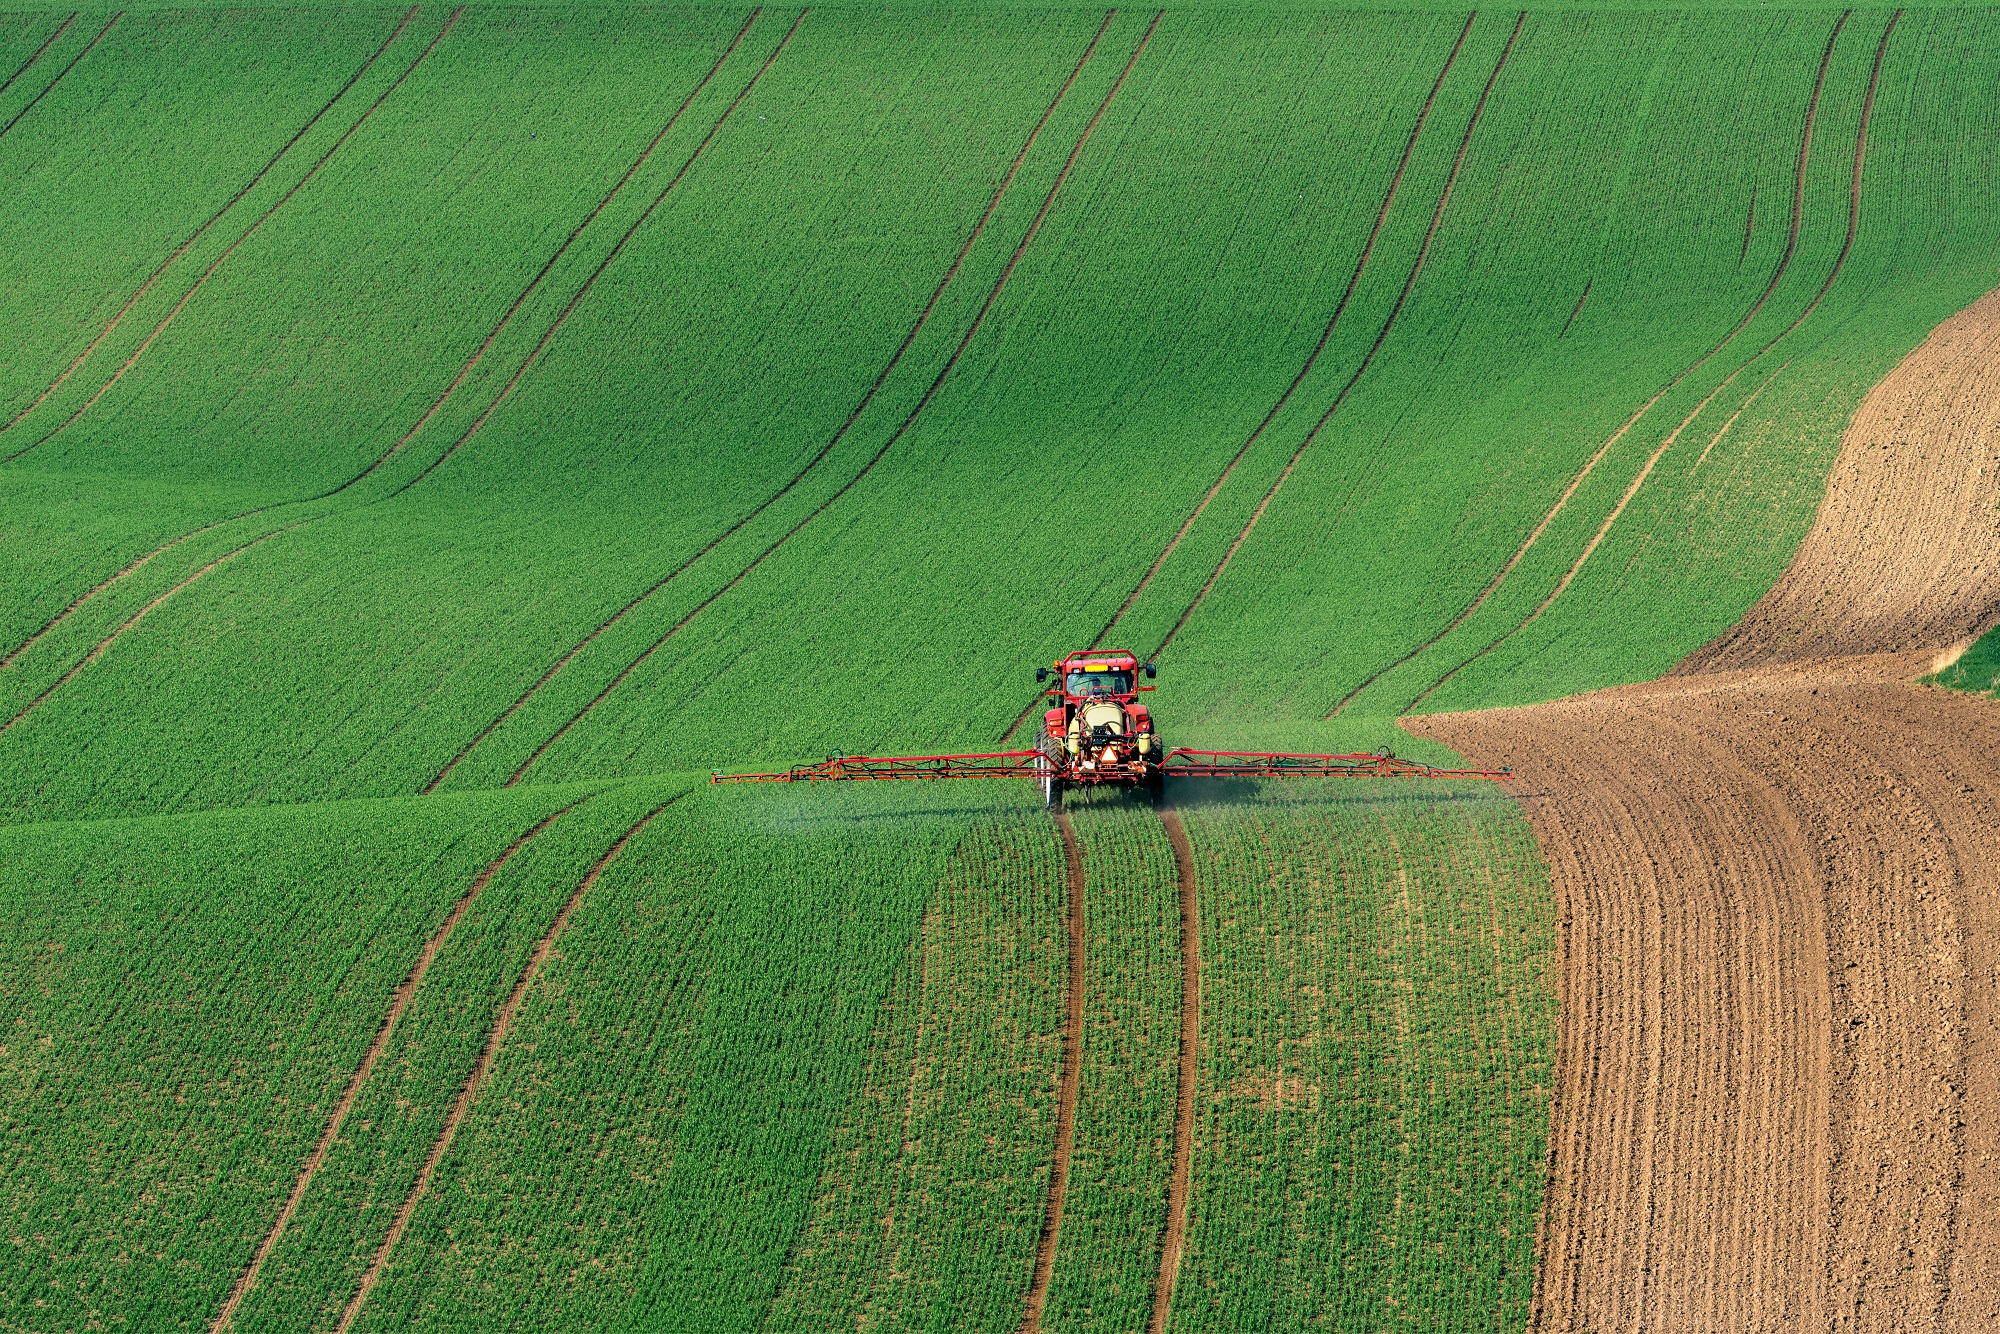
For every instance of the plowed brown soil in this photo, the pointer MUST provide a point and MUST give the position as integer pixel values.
(1779, 874)
(1905, 553)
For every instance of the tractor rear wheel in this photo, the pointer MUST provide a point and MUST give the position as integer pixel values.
(1048, 769)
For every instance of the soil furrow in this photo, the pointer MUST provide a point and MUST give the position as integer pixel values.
(902, 429)
(1590, 465)
(102, 645)
(611, 257)
(233, 246)
(1072, 1074)
(867, 398)
(1780, 868)
(398, 1002)
(488, 1053)
(1173, 1236)
(49, 87)
(1395, 311)
(29, 63)
(1645, 471)
(213, 218)
(1577, 309)
(436, 404)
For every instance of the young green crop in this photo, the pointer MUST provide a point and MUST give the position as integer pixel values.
(917, 348)
(1378, 1049)
(185, 999)
(929, 1205)
(650, 1139)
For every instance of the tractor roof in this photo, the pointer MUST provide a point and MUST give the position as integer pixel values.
(1115, 657)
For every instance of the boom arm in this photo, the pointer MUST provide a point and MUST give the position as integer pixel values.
(1179, 763)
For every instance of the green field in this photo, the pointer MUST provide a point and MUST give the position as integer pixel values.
(435, 438)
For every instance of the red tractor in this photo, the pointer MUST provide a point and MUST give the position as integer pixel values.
(1098, 731)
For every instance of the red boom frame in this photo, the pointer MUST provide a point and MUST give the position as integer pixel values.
(1179, 763)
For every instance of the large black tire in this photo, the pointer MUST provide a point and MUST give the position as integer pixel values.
(1049, 768)
(1156, 785)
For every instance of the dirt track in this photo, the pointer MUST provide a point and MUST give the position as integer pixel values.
(1174, 1235)
(1779, 880)
(1072, 1073)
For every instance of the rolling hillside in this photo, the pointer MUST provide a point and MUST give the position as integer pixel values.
(435, 438)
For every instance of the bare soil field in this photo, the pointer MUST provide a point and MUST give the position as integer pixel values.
(1779, 882)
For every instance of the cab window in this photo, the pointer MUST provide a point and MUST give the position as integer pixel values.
(1100, 683)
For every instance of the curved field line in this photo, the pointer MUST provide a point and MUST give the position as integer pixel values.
(438, 403)
(1326, 334)
(1716, 439)
(104, 644)
(1616, 510)
(1174, 1234)
(479, 354)
(1340, 308)
(1072, 1076)
(399, 1001)
(565, 315)
(214, 218)
(96, 652)
(575, 301)
(47, 88)
(488, 1053)
(1416, 269)
(29, 63)
(248, 232)
(1562, 501)
(951, 364)
(1577, 309)
(922, 319)
(1840, 260)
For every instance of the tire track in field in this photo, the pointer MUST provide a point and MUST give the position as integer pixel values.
(488, 1053)
(1326, 334)
(399, 1001)
(1562, 501)
(867, 398)
(479, 354)
(248, 232)
(1416, 270)
(1645, 471)
(214, 218)
(1340, 308)
(1173, 1236)
(135, 566)
(49, 87)
(98, 651)
(41, 50)
(562, 318)
(951, 364)
(1072, 1076)
(104, 644)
